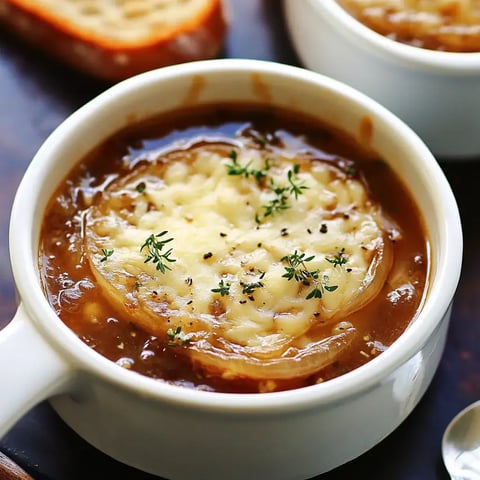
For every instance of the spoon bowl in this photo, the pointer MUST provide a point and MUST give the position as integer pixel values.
(461, 444)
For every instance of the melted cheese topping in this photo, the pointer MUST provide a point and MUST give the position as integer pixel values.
(221, 234)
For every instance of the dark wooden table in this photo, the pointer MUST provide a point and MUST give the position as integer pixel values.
(36, 94)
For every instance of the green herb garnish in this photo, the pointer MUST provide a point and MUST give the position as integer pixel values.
(234, 168)
(250, 288)
(154, 248)
(338, 259)
(223, 288)
(140, 188)
(295, 188)
(107, 253)
(297, 270)
(176, 338)
(278, 203)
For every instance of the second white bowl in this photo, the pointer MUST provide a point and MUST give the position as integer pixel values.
(436, 93)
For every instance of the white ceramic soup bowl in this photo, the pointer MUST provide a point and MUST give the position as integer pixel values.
(180, 433)
(436, 93)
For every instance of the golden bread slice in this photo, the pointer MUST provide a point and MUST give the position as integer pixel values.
(115, 39)
(252, 263)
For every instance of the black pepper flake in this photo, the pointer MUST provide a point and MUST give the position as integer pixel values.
(346, 216)
(262, 275)
(189, 302)
(154, 293)
(251, 298)
(284, 232)
(259, 244)
(309, 231)
(349, 270)
(223, 234)
(323, 228)
(189, 281)
(243, 301)
(207, 255)
(316, 314)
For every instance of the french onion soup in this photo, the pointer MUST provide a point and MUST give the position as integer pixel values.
(234, 248)
(446, 25)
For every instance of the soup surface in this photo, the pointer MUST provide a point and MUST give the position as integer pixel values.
(448, 25)
(247, 249)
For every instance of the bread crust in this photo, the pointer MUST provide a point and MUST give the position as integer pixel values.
(201, 37)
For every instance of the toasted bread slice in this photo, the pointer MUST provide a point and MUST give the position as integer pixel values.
(115, 39)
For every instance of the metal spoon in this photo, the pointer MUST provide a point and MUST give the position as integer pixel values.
(461, 444)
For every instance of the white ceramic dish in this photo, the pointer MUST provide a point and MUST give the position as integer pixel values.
(435, 93)
(179, 433)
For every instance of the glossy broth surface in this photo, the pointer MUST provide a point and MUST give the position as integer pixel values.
(73, 290)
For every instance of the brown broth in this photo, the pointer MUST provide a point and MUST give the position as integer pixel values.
(69, 283)
(455, 29)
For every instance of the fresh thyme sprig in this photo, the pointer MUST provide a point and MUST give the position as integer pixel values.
(249, 288)
(154, 247)
(297, 270)
(281, 193)
(338, 259)
(107, 253)
(295, 188)
(234, 168)
(280, 201)
(177, 338)
(223, 288)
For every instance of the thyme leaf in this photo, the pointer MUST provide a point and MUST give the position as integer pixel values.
(296, 188)
(223, 288)
(177, 338)
(107, 253)
(154, 246)
(282, 193)
(250, 288)
(235, 168)
(338, 259)
(297, 270)
(279, 202)
(140, 188)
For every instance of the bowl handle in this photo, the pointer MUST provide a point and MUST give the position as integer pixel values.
(30, 369)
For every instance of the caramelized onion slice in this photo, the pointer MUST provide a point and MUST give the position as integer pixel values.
(375, 278)
(294, 363)
(233, 360)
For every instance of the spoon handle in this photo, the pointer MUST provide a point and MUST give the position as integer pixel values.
(9, 470)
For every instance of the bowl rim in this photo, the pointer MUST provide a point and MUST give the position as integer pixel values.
(454, 63)
(84, 359)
